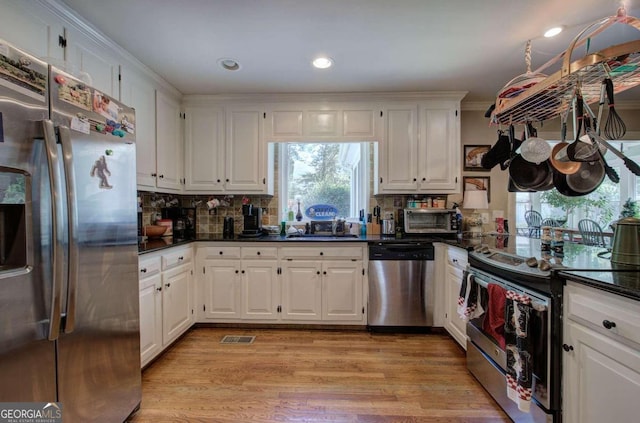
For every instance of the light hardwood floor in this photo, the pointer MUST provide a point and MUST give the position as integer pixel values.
(292, 375)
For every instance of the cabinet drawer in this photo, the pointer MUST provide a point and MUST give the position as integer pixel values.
(149, 266)
(457, 257)
(176, 258)
(220, 252)
(345, 253)
(259, 252)
(601, 309)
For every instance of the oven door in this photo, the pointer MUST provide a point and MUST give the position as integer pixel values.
(486, 337)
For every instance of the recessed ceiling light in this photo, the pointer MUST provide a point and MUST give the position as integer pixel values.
(553, 32)
(322, 62)
(229, 64)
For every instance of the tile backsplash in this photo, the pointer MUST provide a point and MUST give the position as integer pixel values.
(210, 222)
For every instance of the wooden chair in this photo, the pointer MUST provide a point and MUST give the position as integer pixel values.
(534, 221)
(591, 233)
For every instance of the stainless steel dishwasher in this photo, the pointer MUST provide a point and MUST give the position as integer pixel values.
(401, 286)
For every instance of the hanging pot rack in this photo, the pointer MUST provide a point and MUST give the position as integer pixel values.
(553, 95)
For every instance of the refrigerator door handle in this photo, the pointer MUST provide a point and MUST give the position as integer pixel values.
(67, 159)
(58, 253)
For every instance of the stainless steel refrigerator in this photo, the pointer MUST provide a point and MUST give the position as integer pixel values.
(69, 312)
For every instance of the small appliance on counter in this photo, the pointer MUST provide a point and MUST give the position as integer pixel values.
(183, 220)
(625, 248)
(252, 221)
(228, 229)
(428, 221)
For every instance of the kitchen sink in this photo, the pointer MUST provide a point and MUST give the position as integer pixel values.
(321, 237)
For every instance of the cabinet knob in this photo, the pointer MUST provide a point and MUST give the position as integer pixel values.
(160, 176)
(567, 348)
(167, 285)
(318, 272)
(220, 252)
(154, 175)
(237, 271)
(159, 288)
(242, 272)
(455, 260)
(608, 324)
(143, 270)
(321, 253)
(227, 180)
(258, 252)
(415, 179)
(180, 258)
(218, 180)
(424, 179)
(324, 273)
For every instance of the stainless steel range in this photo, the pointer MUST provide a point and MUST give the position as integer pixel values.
(515, 364)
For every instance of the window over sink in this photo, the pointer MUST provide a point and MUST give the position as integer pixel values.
(322, 173)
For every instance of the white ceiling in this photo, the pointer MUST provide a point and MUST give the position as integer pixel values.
(378, 45)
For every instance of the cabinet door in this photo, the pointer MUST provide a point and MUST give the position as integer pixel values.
(23, 27)
(140, 94)
(301, 291)
(169, 142)
(260, 290)
(222, 289)
(89, 58)
(456, 327)
(342, 290)
(150, 318)
(601, 378)
(245, 153)
(439, 148)
(204, 149)
(177, 310)
(399, 151)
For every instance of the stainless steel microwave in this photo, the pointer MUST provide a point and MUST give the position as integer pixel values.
(428, 221)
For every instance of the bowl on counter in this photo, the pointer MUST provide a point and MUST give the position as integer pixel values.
(154, 231)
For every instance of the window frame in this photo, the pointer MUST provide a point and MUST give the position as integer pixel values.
(360, 190)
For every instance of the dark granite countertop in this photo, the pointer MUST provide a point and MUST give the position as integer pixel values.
(580, 263)
(168, 242)
(621, 282)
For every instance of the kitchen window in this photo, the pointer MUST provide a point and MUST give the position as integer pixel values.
(611, 196)
(334, 174)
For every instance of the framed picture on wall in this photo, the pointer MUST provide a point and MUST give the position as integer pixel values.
(477, 183)
(473, 157)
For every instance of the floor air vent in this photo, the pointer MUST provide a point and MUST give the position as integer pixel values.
(237, 339)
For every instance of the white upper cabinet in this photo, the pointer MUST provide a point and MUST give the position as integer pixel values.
(139, 93)
(85, 57)
(246, 152)
(30, 30)
(439, 148)
(318, 121)
(399, 149)
(420, 149)
(169, 143)
(204, 149)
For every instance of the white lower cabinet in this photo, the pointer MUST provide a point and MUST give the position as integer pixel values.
(150, 308)
(177, 310)
(601, 358)
(301, 290)
(166, 299)
(280, 284)
(455, 264)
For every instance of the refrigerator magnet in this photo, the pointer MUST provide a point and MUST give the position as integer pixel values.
(81, 124)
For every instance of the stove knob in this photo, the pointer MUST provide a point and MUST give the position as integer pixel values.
(532, 262)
